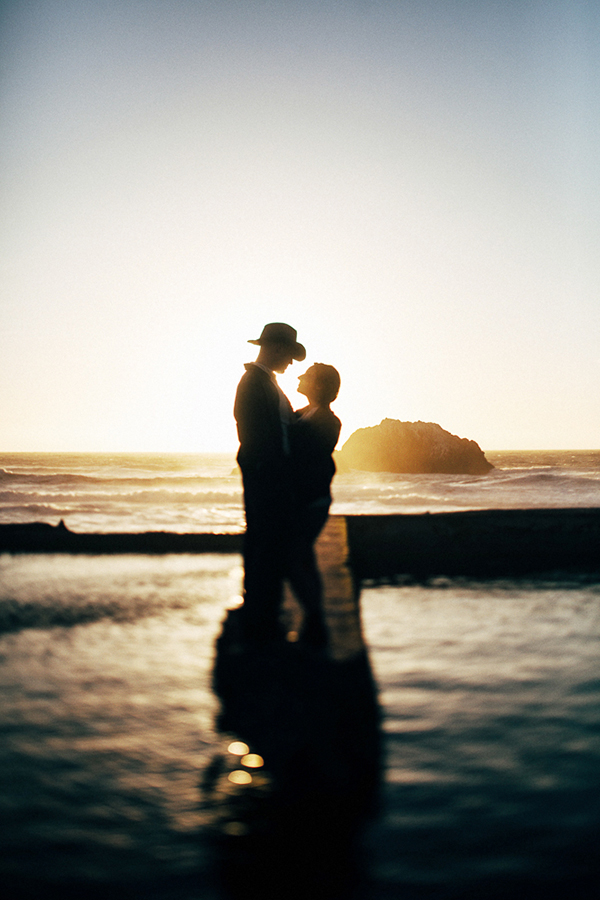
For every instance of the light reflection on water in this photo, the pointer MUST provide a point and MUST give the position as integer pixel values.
(490, 691)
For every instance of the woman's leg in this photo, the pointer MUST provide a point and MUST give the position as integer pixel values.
(305, 578)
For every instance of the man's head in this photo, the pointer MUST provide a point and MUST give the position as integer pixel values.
(278, 346)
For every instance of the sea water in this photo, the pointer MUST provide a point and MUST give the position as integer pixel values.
(203, 492)
(489, 691)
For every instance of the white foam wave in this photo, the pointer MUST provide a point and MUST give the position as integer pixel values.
(179, 493)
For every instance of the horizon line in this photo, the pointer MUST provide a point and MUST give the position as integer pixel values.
(234, 451)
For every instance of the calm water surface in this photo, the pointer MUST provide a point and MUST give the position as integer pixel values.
(491, 719)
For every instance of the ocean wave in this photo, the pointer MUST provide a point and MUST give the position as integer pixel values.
(53, 478)
(134, 492)
(536, 476)
(165, 498)
(546, 473)
(17, 615)
(66, 479)
(9, 496)
(20, 511)
(83, 499)
(158, 502)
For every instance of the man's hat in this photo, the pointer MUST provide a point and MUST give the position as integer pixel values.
(280, 333)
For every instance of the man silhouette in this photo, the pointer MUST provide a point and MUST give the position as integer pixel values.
(264, 416)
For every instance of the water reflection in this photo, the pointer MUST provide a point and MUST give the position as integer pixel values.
(297, 778)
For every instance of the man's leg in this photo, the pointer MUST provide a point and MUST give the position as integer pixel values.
(265, 562)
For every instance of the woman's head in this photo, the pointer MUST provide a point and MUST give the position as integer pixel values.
(320, 384)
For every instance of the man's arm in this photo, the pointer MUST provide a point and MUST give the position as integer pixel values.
(256, 412)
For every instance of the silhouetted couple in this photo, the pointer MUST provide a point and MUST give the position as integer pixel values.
(286, 462)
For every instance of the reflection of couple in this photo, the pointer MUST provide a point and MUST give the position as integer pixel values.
(287, 467)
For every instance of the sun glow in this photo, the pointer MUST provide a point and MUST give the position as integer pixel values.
(246, 166)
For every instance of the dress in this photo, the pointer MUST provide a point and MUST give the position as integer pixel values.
(263, 415)
(314, 437)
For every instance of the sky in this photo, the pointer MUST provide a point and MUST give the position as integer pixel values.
(412, 184)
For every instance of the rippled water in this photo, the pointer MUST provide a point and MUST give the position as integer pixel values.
(107, 720)
(490, 692)
(491, 719)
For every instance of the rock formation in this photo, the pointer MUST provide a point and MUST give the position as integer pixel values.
(417, 447)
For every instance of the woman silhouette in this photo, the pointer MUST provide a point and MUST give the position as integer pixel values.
(314, 436)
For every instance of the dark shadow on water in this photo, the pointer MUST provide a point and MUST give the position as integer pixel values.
(289, 818)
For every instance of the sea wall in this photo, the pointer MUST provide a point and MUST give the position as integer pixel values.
(40, 537)
(482, 543)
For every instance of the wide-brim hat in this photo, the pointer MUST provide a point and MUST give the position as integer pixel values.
(280, 333)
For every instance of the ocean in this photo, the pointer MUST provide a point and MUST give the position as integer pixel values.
(489, 692)
(192, 492)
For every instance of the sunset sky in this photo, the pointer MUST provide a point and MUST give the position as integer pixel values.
(414, 186)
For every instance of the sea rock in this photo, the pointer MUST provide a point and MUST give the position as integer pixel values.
(417, 447)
